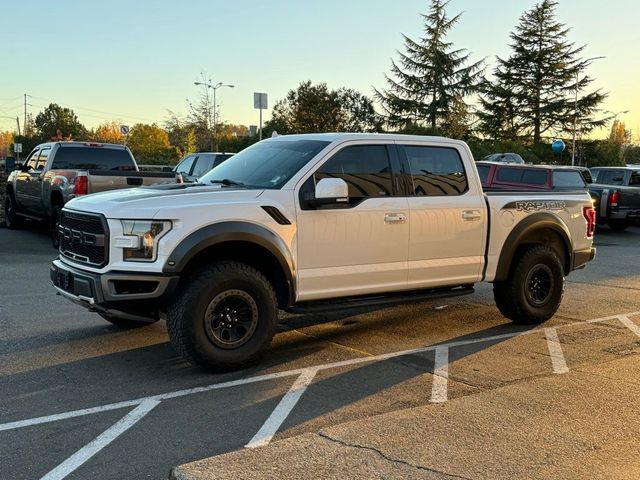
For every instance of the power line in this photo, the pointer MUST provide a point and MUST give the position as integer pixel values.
(119, 115)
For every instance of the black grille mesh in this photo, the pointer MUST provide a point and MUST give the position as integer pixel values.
(93, 255)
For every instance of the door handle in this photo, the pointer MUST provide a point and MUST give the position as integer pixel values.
(471, 215)
(395, 218)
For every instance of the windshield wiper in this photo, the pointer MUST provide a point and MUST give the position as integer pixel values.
(229, 183)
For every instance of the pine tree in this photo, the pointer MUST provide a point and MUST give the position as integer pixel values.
(430, 77)
(534, 89)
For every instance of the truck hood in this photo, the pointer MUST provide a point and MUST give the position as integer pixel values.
(147, 202)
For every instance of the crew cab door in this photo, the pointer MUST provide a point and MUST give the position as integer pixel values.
(26, 182)
(448, 218)
(360, 247)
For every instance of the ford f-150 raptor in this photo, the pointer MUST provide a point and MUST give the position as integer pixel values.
(309, 222)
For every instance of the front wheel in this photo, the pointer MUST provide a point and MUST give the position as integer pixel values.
(224, 317)
(12, 220)
(533, 291)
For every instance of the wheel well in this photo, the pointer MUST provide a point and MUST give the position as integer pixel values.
(56, 198)
(550, 238)
(248, 253)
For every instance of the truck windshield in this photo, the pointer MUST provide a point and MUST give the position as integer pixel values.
(93, 158)
(268, 164)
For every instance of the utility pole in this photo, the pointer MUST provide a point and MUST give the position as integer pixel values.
(25, 113)
(18, 122)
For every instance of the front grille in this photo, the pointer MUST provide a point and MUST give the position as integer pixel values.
(84, 238)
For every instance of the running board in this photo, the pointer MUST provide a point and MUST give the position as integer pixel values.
(379, 300)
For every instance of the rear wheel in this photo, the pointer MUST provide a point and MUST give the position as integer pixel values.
(12, 220)
(618, 225)
(533, 291)
(224, 317)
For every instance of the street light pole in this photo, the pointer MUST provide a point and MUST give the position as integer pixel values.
(586, 63)
(214, 88)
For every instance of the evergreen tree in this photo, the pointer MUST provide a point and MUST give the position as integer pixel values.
(430, 76)
(534, 89)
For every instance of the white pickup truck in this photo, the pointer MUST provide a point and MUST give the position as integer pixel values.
(310, 222)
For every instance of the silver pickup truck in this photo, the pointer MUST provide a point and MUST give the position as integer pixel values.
(57, 172)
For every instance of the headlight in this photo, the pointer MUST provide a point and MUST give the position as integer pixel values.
(140, 240)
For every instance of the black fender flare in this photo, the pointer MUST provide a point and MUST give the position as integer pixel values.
(528, 226)
(217, 233)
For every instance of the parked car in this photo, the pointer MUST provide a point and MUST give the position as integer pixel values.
(509, 176)
(504, 158)
(329, 221)
(195, 165)
(57, 172)
(616, 195)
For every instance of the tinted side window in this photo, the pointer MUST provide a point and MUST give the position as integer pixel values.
(33, 159)
(483, 171)
(509, 175)
(436, 171)
(611, 177)
(365, 168)
(535, 177)
(635, 178)
(568, 179)
(220, 159)
(43, 157)
(203, 165)
(185, 165)
(93, 158)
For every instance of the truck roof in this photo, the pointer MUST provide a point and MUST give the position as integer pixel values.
(70, 143)
(344, 136)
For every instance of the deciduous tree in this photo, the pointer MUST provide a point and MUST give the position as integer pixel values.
(150, 144)
(57, 123)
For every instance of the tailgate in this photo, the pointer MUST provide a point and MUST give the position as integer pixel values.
(105, 180)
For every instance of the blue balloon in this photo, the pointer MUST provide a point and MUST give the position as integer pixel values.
(558, 146)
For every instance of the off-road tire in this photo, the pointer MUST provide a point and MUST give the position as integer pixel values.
(191, 316)
(125, 323)
(618, 225)
(518, 297)
(12, 221)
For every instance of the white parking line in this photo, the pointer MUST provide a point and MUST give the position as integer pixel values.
(630, 324)
(555, 351)
(281, 412)
(105, 438)
(288, 402)
(440, 375)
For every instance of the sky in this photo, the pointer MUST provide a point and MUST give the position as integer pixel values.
(135, 61)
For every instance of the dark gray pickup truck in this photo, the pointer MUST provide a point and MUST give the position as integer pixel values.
(57, 172)
(616, 195)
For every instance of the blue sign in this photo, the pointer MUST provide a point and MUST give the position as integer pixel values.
(558, 146)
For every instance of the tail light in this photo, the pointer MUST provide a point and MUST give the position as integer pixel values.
(589, 214)
(80, 187)
(614, 198)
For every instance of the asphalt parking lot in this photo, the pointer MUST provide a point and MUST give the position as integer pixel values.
(82, 399)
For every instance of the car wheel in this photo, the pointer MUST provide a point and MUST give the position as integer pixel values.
(125, 323)
(618, 225)
(533, 291)
(12, 220)
(224, 317)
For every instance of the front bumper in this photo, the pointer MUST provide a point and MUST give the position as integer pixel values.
(133, 296)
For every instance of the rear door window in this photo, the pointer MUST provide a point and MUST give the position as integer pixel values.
(435, 171)
(33, 159)
(635, 179)
(43, 157)
(92, 158)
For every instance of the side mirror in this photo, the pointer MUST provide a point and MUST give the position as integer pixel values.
(331, 190)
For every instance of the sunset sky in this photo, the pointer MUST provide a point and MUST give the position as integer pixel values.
(134, 61)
